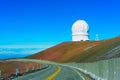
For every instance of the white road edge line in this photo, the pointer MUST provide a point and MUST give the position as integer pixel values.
(79, 74)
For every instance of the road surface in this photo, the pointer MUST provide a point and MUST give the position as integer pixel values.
(53, 72)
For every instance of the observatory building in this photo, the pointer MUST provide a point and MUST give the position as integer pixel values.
(80, 31)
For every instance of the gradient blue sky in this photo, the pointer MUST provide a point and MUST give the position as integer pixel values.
(46, 21)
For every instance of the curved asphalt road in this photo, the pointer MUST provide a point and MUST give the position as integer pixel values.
(40, 75)
(65, 73)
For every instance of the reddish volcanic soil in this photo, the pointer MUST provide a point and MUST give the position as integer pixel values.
(9, 67)
(80, 51)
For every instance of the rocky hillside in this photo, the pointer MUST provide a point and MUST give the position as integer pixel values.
(81, 51)
(9, 67)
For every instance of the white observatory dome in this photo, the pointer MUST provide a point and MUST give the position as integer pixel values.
(80, 31)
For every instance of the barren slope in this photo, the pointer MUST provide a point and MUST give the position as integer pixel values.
(8, 67)
(81, 51)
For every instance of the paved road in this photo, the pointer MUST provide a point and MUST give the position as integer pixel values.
(40, 75)
(53, 72)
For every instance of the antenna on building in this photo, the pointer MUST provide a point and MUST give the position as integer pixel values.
(97, 38)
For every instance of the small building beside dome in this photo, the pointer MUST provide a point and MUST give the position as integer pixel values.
(80, 31)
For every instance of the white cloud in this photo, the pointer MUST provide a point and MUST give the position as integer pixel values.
(25, 46)
(13, 51)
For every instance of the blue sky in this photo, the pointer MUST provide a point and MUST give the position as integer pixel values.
(50, 21)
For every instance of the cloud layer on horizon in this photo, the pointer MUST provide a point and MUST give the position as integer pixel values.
(16, 51)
